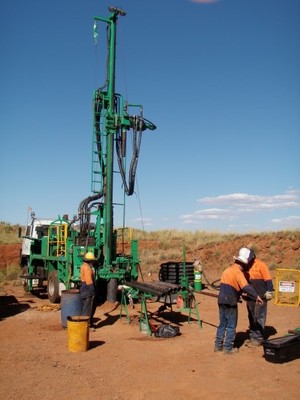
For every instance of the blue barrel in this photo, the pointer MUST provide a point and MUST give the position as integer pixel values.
(70, 305)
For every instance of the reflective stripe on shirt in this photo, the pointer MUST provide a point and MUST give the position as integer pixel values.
(233, 282)
(260, 277)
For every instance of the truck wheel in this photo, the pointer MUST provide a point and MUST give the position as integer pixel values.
(24, 280)
(53, 287)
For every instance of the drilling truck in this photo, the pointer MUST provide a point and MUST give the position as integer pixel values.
(56, 251)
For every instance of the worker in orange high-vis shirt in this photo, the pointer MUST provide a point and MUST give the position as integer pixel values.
(260, 278)
(233, 283)
(87, 288)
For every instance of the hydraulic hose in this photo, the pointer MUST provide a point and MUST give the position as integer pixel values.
(84, 213)
(213, 284)
(137, 124)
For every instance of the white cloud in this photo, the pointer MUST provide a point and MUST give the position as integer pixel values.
(239, 207)
(144, 221)
(208, 214)
(291, 218)
(243, 202)
(213, 213)
(292, 191)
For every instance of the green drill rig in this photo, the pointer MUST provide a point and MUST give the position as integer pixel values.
(56, 253)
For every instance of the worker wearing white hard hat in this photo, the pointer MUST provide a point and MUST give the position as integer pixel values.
(245, 256)
(233, 283)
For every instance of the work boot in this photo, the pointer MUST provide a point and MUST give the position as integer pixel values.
(218, 349)
(233, 350)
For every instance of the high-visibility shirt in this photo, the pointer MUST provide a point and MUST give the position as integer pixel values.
(233, 283)
(260, 277)
(86, 274)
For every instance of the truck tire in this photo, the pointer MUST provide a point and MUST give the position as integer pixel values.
(24, 280)
(53, 287)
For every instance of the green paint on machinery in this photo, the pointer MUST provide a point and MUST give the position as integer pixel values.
(57, 249)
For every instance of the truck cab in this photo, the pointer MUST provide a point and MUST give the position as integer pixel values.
(36, 229)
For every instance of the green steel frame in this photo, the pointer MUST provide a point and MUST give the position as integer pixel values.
(62, 250)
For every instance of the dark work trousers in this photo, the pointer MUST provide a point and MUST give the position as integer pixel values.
(257, 314)
(88, 298)
(88, 308)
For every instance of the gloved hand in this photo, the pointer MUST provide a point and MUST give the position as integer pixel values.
(268, 296)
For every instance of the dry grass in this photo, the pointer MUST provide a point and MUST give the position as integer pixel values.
(172, 245)
(181, 236)
(8, 233)
(10, 273)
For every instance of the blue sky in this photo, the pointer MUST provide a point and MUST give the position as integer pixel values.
(220, 79)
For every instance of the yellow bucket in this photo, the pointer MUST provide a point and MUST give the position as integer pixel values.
(78, 333)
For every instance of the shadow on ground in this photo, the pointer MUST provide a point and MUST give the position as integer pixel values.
(10, 306)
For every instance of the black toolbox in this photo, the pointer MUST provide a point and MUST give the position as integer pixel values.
(282, 349)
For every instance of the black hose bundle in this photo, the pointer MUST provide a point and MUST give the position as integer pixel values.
(84, 213)
(137, 129)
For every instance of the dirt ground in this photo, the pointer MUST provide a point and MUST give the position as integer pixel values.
(124, 363)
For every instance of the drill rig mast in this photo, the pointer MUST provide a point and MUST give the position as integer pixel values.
(112, 123)
(56, 255)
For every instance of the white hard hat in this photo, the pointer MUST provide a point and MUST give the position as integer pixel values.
(244, 255)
